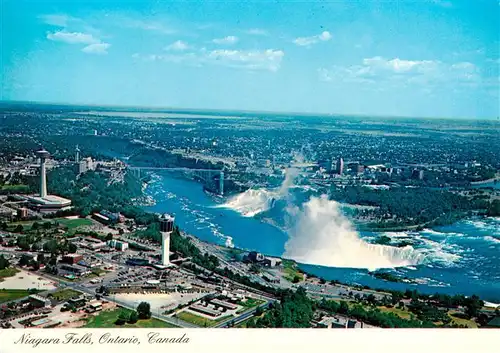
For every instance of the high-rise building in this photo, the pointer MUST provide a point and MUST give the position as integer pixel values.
(85, 165)
(166, 228)
(340, 166)
(77, 154)
(43, 155)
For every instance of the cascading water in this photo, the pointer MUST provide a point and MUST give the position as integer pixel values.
(322, 235)
(255, 201)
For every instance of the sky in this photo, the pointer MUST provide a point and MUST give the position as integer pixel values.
(421, 58)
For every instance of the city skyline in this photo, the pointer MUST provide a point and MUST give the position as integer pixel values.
(426, 59)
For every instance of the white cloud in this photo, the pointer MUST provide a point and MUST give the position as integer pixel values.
(257, 32)
(251, 59)
(97, 48)
(269, 59)
(177, 46)
(401, 72)
(307, 41)
(72, 37)
(59, 20)
(146, 25)
(226, 40)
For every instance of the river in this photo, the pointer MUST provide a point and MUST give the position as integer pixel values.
(458, 259)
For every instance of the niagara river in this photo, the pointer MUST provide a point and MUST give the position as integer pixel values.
(461, 258)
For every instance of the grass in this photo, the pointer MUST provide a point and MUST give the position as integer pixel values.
(74, 223)
(65, 294)
(6, 295)
(200, 320)
(107, 319)
(8, 272)
(248, 304)
(461, 321)
(400, 312)
(20, 188)
(291, 271)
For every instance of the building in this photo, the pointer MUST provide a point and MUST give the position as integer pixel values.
(75, 269)
(339, 322)
(86, 164)
(77, 155)
(38, 301)
(166, 229)
(23, 212)
(254, 256)
(340, 166)
(107, 217)
(118, 245)
(71, 258)
(224, 304)
(271, 261)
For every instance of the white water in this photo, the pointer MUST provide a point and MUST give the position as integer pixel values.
(322, 235)
(255, 201)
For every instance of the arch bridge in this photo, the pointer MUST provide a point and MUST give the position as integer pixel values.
(211, 178)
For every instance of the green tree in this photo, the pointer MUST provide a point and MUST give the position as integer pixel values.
(109, 237)
(25, 260)
(133, 317)
(51, 246)
(144, 310)
(72, 248)
(123, 317)
(35, 247)
(19, 229)
(4, 263)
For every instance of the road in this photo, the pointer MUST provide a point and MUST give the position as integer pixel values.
(243, 317)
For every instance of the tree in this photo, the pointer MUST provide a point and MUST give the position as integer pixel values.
(19, 229)
(133, 317)
(35, 247)
(41, 258)
(343, 308)
(259, 311)
(50, 246)
(4, 263)
(123, 317)
(296, 279)
(144, 310)
(72, 248)
(25, 260)
(23, 243)
(35, 265)
(109, 237)
(35, 225)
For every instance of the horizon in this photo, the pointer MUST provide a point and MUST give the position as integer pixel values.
(187, 111)
(427, 59)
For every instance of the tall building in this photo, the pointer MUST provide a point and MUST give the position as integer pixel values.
(43, 155)
(85, 165)
(77, 154)
(166, 228)
(340, 166)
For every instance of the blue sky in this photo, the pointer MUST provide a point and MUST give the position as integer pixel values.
(428, 58)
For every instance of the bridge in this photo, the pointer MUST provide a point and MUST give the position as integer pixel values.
(207, 176)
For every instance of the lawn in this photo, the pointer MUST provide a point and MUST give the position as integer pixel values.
(17, 188)
(248, 304)
(400, 312)
(65, 294)
(74, 223)
(461, 321)
(200, 320)
(291, 271)
(107, 319)
(8, 272)
(6, 295)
